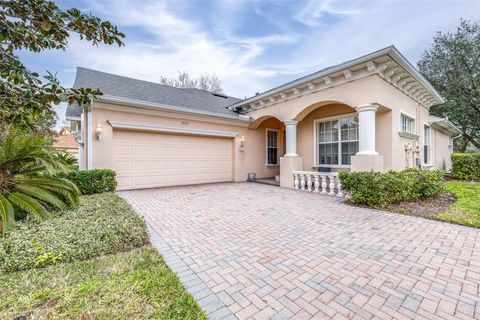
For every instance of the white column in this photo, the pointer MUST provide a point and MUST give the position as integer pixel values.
(291, 133)
(366, 129)
(89, 139)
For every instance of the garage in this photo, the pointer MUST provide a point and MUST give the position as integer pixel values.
(145, 159)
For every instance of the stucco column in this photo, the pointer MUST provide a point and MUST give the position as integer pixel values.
(291, 138)
(367, 158)
(291, 161)
(366, 129)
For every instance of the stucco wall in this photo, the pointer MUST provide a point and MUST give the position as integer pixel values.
(243, 163)
(256, 148)
(372, 89)
(441, 150)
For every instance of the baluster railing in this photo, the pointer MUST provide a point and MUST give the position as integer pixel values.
(302, 181)
(309, 182)
(318, 182)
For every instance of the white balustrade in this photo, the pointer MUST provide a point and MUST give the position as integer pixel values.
(318, 182)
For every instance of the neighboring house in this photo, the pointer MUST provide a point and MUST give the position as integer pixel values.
(65, 140)
(370, 113)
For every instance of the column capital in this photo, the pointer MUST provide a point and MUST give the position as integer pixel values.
(291, 122)
(367, 107)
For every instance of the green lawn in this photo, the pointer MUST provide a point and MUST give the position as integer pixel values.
(466, 210)
(130, 285)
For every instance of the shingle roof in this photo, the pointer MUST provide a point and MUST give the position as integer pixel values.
(123, 87)
(65, 141)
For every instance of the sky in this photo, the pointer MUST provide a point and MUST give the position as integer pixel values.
(251, 46)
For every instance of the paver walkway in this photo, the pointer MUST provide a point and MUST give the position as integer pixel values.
(247, 250)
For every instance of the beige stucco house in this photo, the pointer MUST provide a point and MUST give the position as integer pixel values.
(370, 113)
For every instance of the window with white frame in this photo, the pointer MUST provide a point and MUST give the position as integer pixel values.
(426, 144)
(336, 141)
(407, 124)
(272, 147)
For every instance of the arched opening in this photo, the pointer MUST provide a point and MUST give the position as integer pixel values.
(265, 144)
(325, 109)
(327, 136)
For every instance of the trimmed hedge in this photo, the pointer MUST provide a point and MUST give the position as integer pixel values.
(94, 181)
(101, 224)
(466, 166)
(381, 189)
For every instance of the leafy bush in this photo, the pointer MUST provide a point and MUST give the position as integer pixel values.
(94, 181)
(466, 166)
(380, 189)
(101, 224)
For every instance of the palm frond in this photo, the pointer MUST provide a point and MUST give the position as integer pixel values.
(48, 181)
(6, 212)
(41, 194)
(28, 204)
(68, 197)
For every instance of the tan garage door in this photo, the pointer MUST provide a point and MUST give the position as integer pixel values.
(146, 160)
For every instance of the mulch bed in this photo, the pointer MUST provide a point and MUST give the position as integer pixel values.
(426, 208)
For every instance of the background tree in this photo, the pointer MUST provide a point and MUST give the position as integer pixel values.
(37, 25)
(452, 65)
(205, 81)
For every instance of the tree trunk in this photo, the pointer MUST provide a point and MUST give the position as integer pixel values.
(462, 145)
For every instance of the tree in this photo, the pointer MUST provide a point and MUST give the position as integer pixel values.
(38, 25)
(28, 183)
(207, 82)
(452, 65)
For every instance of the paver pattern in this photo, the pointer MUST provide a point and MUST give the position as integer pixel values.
(251, 251)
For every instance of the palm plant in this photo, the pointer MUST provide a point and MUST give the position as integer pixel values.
(28, 184)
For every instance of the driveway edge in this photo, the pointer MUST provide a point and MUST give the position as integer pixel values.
(213, 307)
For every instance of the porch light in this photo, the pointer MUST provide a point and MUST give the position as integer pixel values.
(242, 144)
(98, 131)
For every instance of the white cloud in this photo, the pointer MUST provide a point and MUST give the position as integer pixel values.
(178, 44)
(315, 10)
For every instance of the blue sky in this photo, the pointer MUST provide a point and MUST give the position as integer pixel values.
(250, 45)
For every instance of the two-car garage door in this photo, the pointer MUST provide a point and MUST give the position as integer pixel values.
(147, 160)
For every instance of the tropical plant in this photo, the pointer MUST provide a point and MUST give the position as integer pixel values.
(28, 184)
(68, 160)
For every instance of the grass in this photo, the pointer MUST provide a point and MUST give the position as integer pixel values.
(129, 285)
(466, 210)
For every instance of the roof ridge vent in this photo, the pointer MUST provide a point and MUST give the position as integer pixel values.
(219, 95)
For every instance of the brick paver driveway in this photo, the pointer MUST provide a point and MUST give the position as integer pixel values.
(253, 251)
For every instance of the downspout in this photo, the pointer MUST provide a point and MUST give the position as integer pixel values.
(89, 136)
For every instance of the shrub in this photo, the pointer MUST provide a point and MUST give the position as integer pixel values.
(466, 166)
(94, 181)
(382, 189)
(101, 224)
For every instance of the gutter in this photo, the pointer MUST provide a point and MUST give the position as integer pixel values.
(158, 106)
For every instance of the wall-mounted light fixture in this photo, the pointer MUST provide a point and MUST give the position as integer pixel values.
(98, 131)
(242, 144)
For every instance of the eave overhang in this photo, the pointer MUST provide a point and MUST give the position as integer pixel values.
(445, 126)
(388, 63)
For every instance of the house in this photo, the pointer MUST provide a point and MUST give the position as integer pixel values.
(65, 140)
(370, 113)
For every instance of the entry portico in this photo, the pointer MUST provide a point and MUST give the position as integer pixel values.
(348, 117)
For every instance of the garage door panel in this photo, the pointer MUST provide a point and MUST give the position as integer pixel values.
(144, 160)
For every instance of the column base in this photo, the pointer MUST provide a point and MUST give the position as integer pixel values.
(365, 162)
(288, 164)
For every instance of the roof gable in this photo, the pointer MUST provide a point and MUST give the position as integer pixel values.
(388, 63)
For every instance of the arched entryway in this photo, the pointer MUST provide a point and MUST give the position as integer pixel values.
(265, 144)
